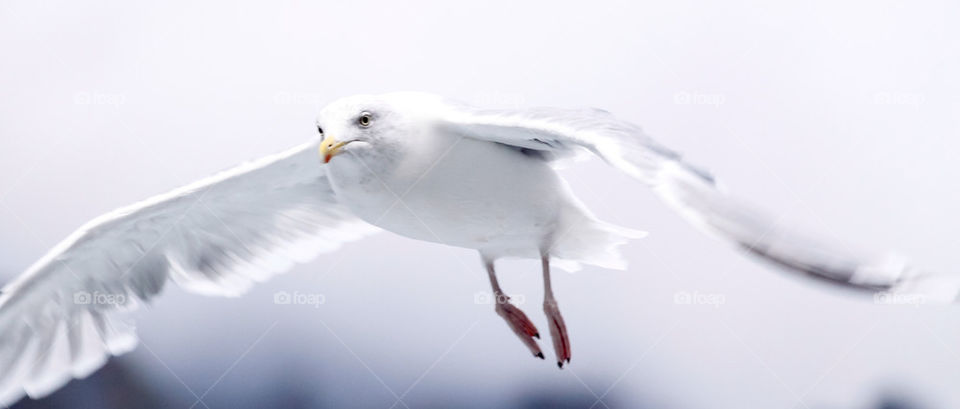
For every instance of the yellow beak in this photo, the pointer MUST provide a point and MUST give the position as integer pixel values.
(330, 148)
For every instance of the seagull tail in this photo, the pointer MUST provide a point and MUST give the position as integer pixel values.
(699, 199)
(594, 242)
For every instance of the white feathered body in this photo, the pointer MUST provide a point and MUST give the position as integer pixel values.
(475, 194)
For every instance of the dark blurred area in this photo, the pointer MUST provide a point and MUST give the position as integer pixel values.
(119, 385)
(116, 385)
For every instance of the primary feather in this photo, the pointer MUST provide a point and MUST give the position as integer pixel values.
(62, 318)
(691, 191)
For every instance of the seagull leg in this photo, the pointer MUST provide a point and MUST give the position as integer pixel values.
(516, 319)
(558, 330)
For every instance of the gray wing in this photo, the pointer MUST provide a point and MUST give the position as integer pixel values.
(60, 319)
(691, 191)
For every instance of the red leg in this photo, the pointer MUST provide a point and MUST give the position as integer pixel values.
(558, 330)
(515, 318)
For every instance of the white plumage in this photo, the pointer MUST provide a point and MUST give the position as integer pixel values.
(61, 318)
(411, 163)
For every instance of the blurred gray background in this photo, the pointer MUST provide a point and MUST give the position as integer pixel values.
(842, 118)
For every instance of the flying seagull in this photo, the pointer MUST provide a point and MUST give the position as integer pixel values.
(415, 164)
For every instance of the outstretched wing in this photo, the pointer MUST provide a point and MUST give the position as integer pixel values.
(689, 190)
(60, 319)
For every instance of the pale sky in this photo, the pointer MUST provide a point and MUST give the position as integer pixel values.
(841, 118)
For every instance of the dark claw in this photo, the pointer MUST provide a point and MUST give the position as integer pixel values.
(568, 360)
(560, 364)
(537, 335)
(539, 355)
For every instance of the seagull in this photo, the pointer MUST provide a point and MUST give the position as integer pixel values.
(414, 164)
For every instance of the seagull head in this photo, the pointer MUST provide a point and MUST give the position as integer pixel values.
(371, 124)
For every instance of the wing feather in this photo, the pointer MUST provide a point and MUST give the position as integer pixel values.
(693, 192)
(64, 317)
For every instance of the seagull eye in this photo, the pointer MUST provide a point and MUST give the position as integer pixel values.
(364, 119)
(319, 129)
